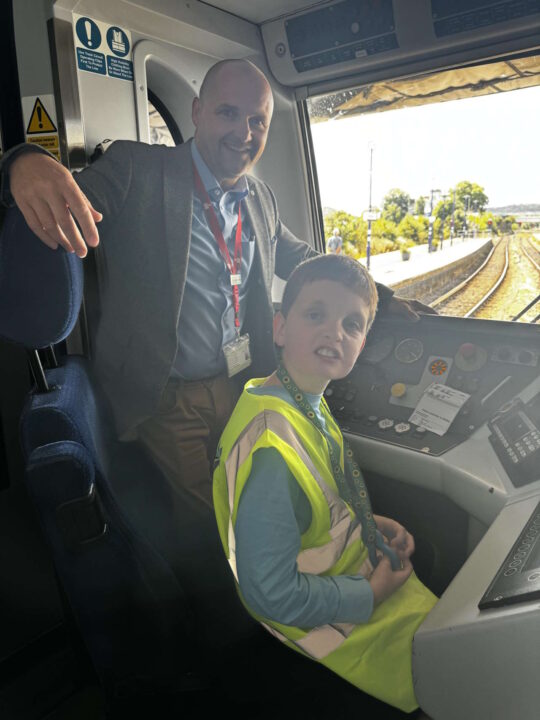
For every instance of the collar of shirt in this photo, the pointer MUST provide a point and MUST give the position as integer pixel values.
(222, 199)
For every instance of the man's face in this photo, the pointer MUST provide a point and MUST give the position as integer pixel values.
(232, 122)
(323, 334)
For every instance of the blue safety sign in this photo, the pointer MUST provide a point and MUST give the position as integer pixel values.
(119, 68)
(118, 41)
(88, 33)
(103, 49)
(91, 61)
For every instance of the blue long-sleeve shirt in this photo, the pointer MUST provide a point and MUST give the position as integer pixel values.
(272, 515)
(206, 320)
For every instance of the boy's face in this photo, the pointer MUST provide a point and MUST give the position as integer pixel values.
(323, 334)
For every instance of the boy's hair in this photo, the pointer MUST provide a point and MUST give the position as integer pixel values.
(339, 268)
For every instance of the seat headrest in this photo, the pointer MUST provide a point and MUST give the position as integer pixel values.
(40, 289)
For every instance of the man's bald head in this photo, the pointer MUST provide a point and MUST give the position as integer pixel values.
(232, 116)
(241, 68)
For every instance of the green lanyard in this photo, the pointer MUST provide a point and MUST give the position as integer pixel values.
(356, 494)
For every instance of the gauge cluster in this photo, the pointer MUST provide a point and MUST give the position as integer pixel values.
(489, 361)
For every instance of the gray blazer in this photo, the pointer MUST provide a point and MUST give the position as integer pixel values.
(145, 193)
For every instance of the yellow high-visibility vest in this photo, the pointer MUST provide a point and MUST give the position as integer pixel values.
(375, 656)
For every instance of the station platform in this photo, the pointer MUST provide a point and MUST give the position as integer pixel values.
(390, 269)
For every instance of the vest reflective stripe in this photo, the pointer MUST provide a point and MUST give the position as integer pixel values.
(344, 528)
(319, 642)
(320, 559)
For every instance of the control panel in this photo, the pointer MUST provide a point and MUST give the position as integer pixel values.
(516, 440)
(492, 362)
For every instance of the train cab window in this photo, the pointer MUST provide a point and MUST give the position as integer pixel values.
(430, 182)
(163, 128)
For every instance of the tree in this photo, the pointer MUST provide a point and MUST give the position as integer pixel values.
(384, 236)
(352, 229)
(471, 196)
(415, 229)
(503, 224)
(396, 205)
(420, 205)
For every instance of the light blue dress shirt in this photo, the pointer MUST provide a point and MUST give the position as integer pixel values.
(272, 515)
(206, 320)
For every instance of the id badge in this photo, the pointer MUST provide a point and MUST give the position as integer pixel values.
(237, 355)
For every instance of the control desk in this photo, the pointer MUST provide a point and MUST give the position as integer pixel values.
(491, 362)
(476, 656)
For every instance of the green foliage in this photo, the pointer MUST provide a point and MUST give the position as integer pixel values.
(420, 205)
(396, 228)
(384, 229)
(471, 196)
(503, 224)
(352, 229)
(414, 228)
(396, 205)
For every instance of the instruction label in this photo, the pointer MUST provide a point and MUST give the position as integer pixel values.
(438, 407)
(39, 113)
(102, 49)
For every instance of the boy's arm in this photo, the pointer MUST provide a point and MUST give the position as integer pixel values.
(267, 545)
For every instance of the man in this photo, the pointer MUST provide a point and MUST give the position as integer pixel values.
(175, 304)
(335, 243)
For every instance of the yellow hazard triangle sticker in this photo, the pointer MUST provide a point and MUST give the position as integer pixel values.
(40, 121)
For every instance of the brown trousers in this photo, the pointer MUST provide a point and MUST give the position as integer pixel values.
(182, 436)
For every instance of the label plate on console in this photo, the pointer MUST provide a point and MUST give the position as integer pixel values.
(518, 578)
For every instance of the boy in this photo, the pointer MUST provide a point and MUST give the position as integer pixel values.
(311, 561)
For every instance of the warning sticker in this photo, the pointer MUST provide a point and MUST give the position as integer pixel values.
(40, 120)
(102, 49)
(49, 142)
(39, 114)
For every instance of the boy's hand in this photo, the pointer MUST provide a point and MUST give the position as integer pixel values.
(397, 536)
(384, 581)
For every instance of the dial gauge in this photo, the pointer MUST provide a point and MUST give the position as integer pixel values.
(377, 348)
(409, 350)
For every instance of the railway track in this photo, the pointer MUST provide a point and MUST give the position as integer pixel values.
(531, 251)
(467, 297)
(507, 281)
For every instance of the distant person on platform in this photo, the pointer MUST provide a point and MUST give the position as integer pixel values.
(335, 244)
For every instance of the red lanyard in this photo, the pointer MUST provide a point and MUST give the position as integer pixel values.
(234, 265)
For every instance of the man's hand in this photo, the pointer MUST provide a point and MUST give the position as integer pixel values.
(384, 581)
(397, 536)
(408, 309)
(50, 201)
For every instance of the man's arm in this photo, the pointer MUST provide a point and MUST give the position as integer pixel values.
(50, 201)
(58, 207)
(291, 251)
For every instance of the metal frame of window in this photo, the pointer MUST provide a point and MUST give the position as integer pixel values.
(312, 177)
(170, 122)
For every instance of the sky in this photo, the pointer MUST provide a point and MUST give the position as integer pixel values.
(492, 140)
